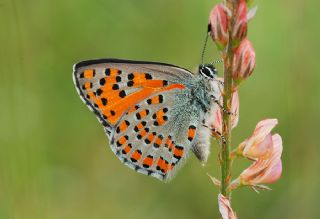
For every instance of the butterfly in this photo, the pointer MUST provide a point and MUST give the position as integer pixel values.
(153, 113)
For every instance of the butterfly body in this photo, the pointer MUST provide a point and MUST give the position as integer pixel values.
(153, 113)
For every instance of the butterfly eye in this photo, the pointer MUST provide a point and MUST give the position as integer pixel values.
(208, 71)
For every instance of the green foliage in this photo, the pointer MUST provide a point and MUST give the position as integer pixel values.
(54, 157)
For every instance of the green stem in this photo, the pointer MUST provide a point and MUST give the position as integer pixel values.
(227, 100)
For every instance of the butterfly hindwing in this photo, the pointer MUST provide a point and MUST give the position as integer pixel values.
(154, 137)
(143, 107)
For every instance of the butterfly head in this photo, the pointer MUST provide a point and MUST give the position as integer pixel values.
(208, 71)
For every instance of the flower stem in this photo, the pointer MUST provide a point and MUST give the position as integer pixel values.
(227, 100)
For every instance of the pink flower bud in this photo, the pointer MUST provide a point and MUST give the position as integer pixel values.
(259, 144)
(244, 61)
(239, 31)
(267, 170)
(225, 208)
(217, 124)
(218, 24)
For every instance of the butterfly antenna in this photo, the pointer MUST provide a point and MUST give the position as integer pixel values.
(205, 43)
(217, 61)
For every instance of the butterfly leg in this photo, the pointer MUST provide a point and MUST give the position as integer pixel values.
(216, 132)
(219, 104)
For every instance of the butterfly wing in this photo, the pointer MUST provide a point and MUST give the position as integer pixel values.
(146, 111)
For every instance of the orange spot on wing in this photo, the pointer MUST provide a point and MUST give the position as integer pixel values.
(161, 121)
(91, 95)
(88, 73)
(123, 126)
(148, 161)
(158, 141)
(139, 78)
(127, 149)
(143, 133)
(150, 137)
(143, 113)
(136, 155)
(87, 85)
(169, 144)
(178, 152)
(155, 100)
(114, 72)
(160, 162)
(191, 133)
(160, 113)
(162, 165)
(122, 140)
(140, 126)
(160, 117)
(165, 167)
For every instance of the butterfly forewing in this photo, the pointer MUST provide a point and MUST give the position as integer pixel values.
(143, 107)
(108, 84)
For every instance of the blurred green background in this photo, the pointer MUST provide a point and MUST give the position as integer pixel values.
(55, 161)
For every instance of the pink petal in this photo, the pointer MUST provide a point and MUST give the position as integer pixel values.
(274, 170)
(277, 146)
(252, 175)
(264, 127)
(274, 174)
(257, 145)
(267, 169)
(259, 150)
(225, 208)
